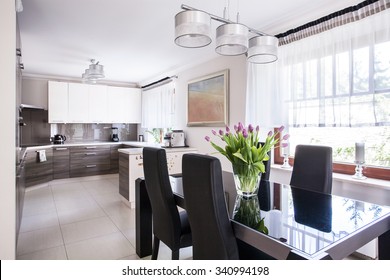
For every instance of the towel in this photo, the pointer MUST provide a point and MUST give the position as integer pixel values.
(42, 155)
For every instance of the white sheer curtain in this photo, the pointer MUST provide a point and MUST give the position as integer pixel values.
(264, 104)
(340, 77)
(158, 106)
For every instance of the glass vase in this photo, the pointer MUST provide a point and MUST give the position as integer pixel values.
(246, 180)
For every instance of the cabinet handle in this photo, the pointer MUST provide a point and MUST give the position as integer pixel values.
(90, 147)
(61, 149)
(90, 154)
(91, 166)
(140, 164)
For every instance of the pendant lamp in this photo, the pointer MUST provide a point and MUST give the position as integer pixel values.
(192, 29)
(232, 39)
(263, 49)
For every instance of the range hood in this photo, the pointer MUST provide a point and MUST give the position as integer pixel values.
(28, 106)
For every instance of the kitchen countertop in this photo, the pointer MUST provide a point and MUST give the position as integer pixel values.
(135, 146)
(139, 145)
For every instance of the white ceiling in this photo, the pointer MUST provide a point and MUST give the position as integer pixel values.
(134, 39)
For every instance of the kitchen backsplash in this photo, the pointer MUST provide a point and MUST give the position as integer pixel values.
(76, 133)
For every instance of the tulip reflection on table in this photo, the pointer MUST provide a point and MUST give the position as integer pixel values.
(247, 211)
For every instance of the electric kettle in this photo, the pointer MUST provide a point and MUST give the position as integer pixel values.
(58, 139)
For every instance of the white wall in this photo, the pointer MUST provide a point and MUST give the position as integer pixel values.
(7, 146)
(237, 91)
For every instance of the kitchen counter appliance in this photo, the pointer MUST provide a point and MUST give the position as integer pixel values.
(58, 139)
(115, 137)
(178, 138)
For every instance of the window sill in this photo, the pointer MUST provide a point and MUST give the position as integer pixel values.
(369, 182)
(371, 190)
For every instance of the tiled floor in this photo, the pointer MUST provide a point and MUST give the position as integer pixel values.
(81, 219)
(78, 219)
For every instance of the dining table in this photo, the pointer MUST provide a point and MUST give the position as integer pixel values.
(285, 222)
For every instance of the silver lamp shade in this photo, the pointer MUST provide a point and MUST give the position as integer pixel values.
(263, 49)
(96, 71)
(232, 39)
(192, 29)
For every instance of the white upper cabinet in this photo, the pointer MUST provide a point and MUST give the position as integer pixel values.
(58, 102)
(124, 105)
(116, 104)
(78, 95)
(134, 105)
(98, 104)
(83, 103)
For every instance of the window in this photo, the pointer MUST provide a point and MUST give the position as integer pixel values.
(337, 86)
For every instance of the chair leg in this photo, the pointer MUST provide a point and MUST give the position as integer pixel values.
(156, 246)
(175, 254)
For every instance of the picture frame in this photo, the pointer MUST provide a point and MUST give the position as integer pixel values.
(208, 100)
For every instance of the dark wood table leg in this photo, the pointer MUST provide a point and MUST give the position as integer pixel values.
(384, 246)
(143, 220)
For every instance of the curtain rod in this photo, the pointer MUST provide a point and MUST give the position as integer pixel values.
(326, 18)
(160, 81)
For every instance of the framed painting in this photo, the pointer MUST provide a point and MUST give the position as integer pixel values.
(208, 99)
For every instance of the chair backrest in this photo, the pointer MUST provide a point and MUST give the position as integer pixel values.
(212, 232)
(313, 168)
(166, 219)
(267, 164)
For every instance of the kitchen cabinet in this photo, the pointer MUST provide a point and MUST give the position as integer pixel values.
(36, 171)
(114, 158)
(78, 103)
(61, 162)
(134, 105)
(131, 168)
(89, 160)
(124, 105)
(58, 102)
(97, 104)
(83, 103)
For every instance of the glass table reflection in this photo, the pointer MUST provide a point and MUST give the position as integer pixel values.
(287, 222)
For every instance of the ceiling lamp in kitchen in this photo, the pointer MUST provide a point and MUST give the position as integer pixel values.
(192, 30)
(94, 73)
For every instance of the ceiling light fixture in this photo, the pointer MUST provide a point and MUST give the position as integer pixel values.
(94, 73)
(192, 30)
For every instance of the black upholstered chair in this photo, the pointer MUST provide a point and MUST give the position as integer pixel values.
(313, 168)
(169, 225)
(212, 232)
(205, 201)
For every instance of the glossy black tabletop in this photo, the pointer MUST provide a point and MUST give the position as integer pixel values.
(304, 220)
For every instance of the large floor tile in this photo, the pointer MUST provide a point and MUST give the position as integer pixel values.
(39, 221)
(56, 253)
(80, 214)
(64, 204)
(37, 240)
(87, 229)
(108, 247)
(99, 187)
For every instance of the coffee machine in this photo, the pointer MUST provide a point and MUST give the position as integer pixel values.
(114, 137)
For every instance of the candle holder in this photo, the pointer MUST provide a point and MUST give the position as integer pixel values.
(359, 171)
(285, 161)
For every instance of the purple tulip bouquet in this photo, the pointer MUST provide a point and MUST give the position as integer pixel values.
(247, 155)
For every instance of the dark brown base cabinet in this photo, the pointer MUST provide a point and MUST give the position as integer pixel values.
(61, 163)
(114, 158)
(69, 162)
(89, 160)
(37, 172)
